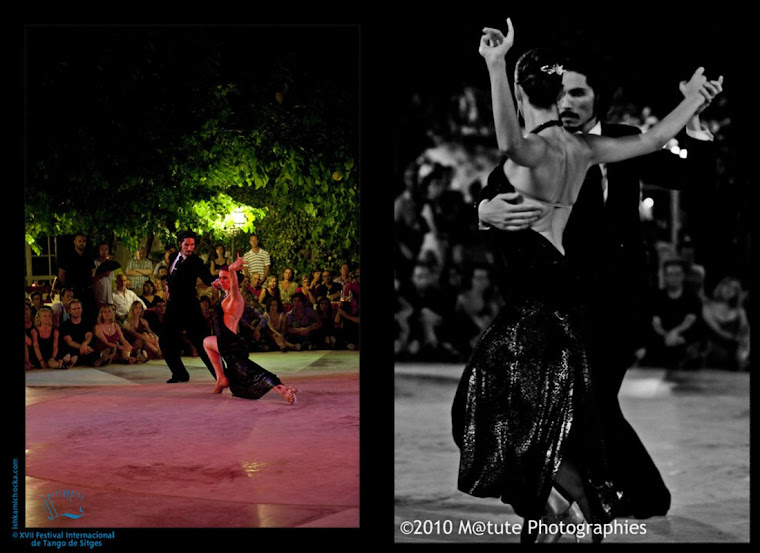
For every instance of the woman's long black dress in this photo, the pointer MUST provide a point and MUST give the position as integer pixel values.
(247, 379)
(524, 402)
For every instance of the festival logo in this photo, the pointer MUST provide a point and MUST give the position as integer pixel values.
(64, 503)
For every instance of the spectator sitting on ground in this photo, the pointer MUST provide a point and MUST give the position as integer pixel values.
(110, 342)
(155, 316)
(274, 333)
(45, 339)
(347, 319)
(206, 290)
(675, 340)
(76, 338)
(144, 341)
(327, 336)
(302, 322)
(727, 327)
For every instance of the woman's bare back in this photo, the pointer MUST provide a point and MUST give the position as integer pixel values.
(555, 183)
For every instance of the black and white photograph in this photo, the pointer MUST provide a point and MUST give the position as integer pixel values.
(572, 279)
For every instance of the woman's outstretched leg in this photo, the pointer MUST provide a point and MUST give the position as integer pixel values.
(210, 345)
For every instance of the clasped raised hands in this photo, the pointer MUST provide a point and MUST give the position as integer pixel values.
(699, 84)
(494, 45)
(700, 87)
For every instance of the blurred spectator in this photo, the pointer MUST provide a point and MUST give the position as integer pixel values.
(257, 259)
(45, 338)
(727, 327)
(217, 259)
(139, 269)
(347, 319)
(343, 277)
(427, 333)
(123, 298)
(287, 285)
(476, 307)
(75, 267)
(165, 262)
(329, 289)
(254, 284)
(110, 342)
(271, 290)
(306, 290)
(675, 341)
(37, 302)
(148, 295)
(326, 336)
(137, 329)
(302, 322)
(77, 337)
(28, 326)
(208, 315)
(274, 333)
(155, 316)
(410, 227)
(206, 290)
(694, 279)
(61, 307)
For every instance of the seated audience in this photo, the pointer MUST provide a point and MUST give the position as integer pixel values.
(329, 289)
(347, 319)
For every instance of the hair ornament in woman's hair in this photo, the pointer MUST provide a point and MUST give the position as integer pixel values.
(553, 69)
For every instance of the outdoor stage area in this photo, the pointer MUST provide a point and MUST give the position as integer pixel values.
(695, 425)
(118, 447)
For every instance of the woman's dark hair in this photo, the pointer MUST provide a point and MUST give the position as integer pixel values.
(538, 72)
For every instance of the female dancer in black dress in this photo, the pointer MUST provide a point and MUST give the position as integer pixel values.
(243, 377)
(523, 415)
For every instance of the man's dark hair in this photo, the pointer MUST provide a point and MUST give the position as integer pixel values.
(187, 234)
(590, 66)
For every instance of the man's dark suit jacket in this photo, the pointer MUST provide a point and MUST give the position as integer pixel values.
(182, 283)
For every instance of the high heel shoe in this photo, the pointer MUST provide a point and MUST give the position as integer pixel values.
(560, 512)
(291, 397)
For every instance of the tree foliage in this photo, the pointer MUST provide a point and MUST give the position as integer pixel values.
(148, 131)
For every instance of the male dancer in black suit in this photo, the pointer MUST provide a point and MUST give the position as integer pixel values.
(183, 310)
(603, 243)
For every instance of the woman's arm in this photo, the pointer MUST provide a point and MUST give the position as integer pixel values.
(527, 151)
(696, 92)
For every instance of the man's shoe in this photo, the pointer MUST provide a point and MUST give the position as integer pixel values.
(174, 379)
